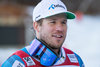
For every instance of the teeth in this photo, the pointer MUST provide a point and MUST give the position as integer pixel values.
(58, 36)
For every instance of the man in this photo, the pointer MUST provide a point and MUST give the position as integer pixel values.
(50, 24)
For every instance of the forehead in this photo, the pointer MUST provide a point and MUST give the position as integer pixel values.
(58, 16)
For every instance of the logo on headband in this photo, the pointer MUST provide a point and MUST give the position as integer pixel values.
(53, 6)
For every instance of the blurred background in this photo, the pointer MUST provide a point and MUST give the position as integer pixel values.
(83, 32)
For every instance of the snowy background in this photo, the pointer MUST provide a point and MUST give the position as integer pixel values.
(83, 38)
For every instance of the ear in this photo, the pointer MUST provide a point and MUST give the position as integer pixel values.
(36, 26)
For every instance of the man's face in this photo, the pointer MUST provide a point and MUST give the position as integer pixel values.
(53, 31)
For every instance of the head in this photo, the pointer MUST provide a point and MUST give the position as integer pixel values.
(52, 30)
(50, 23)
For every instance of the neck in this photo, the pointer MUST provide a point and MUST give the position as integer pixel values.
(56, 51)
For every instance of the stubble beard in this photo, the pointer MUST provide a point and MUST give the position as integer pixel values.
(45, 38)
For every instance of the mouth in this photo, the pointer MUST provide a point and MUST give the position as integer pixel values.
(60, 36)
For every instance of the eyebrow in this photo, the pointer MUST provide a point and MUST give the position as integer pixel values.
(65, 19)
(51, 19)
(55, 19)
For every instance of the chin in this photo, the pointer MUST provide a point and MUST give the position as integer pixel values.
(57, 46)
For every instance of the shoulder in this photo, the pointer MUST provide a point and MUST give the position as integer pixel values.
(20, 58)
(68, 51)
(79, 60)
(12, 61)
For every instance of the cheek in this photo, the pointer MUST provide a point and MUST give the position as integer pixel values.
(47, 29)
(65, 30)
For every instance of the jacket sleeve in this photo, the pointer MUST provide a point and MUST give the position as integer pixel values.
(13, 61)
(80, 60)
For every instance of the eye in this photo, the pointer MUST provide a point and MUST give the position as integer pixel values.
(64, 22)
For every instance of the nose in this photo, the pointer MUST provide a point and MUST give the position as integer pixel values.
(59, 27)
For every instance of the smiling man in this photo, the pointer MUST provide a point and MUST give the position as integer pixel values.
(52, 31)
(50, 24)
